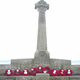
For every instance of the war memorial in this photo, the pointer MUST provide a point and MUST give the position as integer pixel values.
(41, 57)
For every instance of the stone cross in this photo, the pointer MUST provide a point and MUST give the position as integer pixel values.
(42, 55)
(42, 6)
(42, 0)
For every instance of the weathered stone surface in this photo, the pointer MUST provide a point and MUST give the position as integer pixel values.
(3, 68)
(60, 63)
(75, 69)
(7, 77)
(15, 66)
(42, 58)
(55, 64)
(42, 3)
(74, 77)
(21, 61)
(42, 76)
(41, 6)
(59, 78)
(17, 78)
(37, 77)
(26, 66)
(65, 67)
(26, 78)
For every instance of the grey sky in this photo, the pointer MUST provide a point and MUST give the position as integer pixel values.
(19, 26)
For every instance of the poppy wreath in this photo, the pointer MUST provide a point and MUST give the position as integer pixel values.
(46, 69)
(54, 72)
(69, 72)
(39, 69)
(8, 71)
(33, 71)
(62, 72)
(16, 73)
(25, 74)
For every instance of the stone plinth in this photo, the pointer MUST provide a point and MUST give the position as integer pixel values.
(29, 63)
(42, 76)
(42, 58)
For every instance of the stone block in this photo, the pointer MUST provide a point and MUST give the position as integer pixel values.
(21, 61)
(17, 78)
(42, 76)
(3, 68)
(58, 63)
(61, 61)
(7, 77)
(15, 66)
(26, 66)
(66, 62)
(59, 78)
(74, 78)
(42, 59)
(25, 78)
(75, 69)
(10, 78)
(65, 67)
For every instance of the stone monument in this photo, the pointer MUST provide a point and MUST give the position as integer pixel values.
(41, 57)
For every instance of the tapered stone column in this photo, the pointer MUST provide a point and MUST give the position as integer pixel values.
(42, 41)
(42, 57)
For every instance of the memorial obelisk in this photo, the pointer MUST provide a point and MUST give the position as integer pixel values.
(42, 57)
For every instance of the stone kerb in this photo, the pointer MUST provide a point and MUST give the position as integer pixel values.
(42, 76)
(37, 77)
(17, 78)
